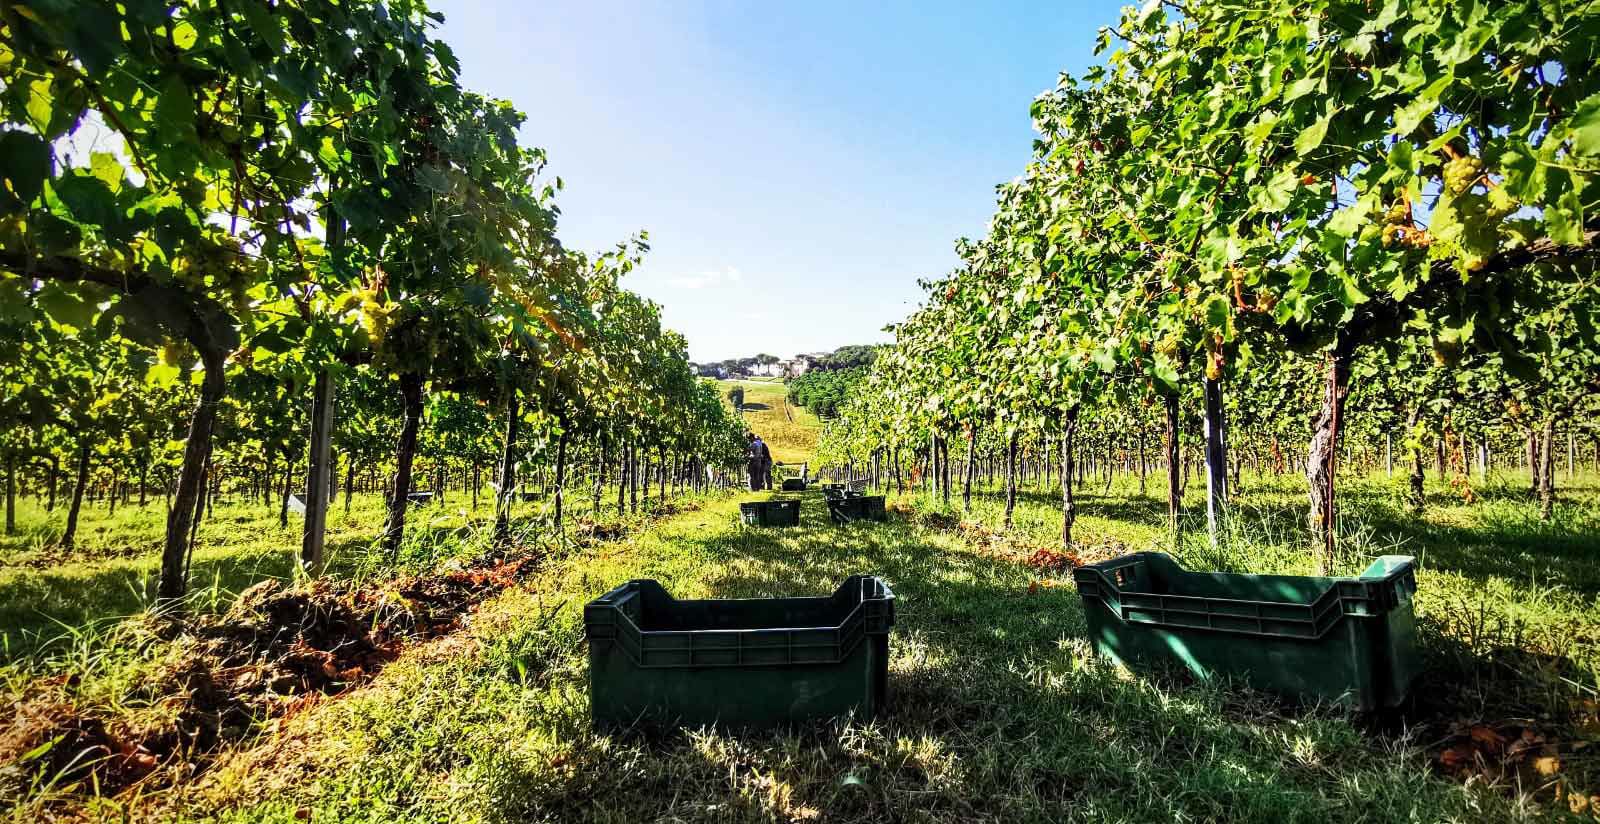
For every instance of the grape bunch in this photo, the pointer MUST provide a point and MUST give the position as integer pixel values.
(374, 315)
(1461, 173)
(1398, 228)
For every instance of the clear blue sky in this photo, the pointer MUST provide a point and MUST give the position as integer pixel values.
(798, 167)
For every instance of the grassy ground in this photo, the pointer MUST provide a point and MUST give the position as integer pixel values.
(112, 574)
(790, 431)
(997, 710)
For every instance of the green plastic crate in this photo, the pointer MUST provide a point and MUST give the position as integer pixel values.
(759, 662)
(857, 508)
(770, 513)
(1350, 641)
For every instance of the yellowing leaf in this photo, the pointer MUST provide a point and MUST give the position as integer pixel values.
(184, 35)
(40, 103)
(108, 168)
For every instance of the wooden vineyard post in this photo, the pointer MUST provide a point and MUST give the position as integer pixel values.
(319, 476)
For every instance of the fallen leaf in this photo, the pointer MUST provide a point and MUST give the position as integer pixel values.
(1487, 737)
(1458, 756)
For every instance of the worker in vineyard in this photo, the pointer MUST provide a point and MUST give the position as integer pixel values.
(758, 462)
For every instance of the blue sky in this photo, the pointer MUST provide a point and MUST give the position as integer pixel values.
(798, 167)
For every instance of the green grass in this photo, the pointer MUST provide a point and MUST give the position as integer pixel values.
(790, 431)
(998, 711)
(112, 574)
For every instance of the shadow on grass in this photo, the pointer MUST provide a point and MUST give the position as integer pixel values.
(1498, 536)
(997, 712)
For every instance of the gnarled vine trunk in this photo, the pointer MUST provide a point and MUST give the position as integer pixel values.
(599, 475)
(196, 450)
(1069, 509)
(1011, 477)
(1322, 458)
(972, 467)
(394, 529)
(1547, 474)
(11, 493)
(1534, 463)
(350, 484)
(283, 494)
(1417, 492)
(1174, 462)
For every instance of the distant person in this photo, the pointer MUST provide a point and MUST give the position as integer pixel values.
(758, 462)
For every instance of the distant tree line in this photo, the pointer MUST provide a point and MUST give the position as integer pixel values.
(734, 366)
(823, 391)
(848, 357)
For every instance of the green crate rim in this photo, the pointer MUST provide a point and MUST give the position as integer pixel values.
(1346, 597)
(873, 614)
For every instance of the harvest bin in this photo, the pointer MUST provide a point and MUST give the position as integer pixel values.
(794, 484)
(756, 662)
(771, 513)
(1346, 640)
(857, 508)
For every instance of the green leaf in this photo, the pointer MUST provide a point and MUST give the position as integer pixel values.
(1217, 313)
(1564, 218)
(24, 164)
(66, 308)
(1302, 87)
(1408, 117)
(1260, 128)
(1524, 176)
(88, 200)
(175, 106)
(1311, 136)
(1350, 295)
(1585, 125)
(162, 375)
(1399, 162)
(433, 178)
(1347, 221)
(1274, 196)
(262, 21)
(95, 38)
(1476, 32)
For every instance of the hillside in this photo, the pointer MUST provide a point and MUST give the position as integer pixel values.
(790, 431)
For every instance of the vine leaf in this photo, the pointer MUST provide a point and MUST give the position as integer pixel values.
(24, 164)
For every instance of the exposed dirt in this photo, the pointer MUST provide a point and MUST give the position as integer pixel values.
(275, 648)
(1014, 548)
